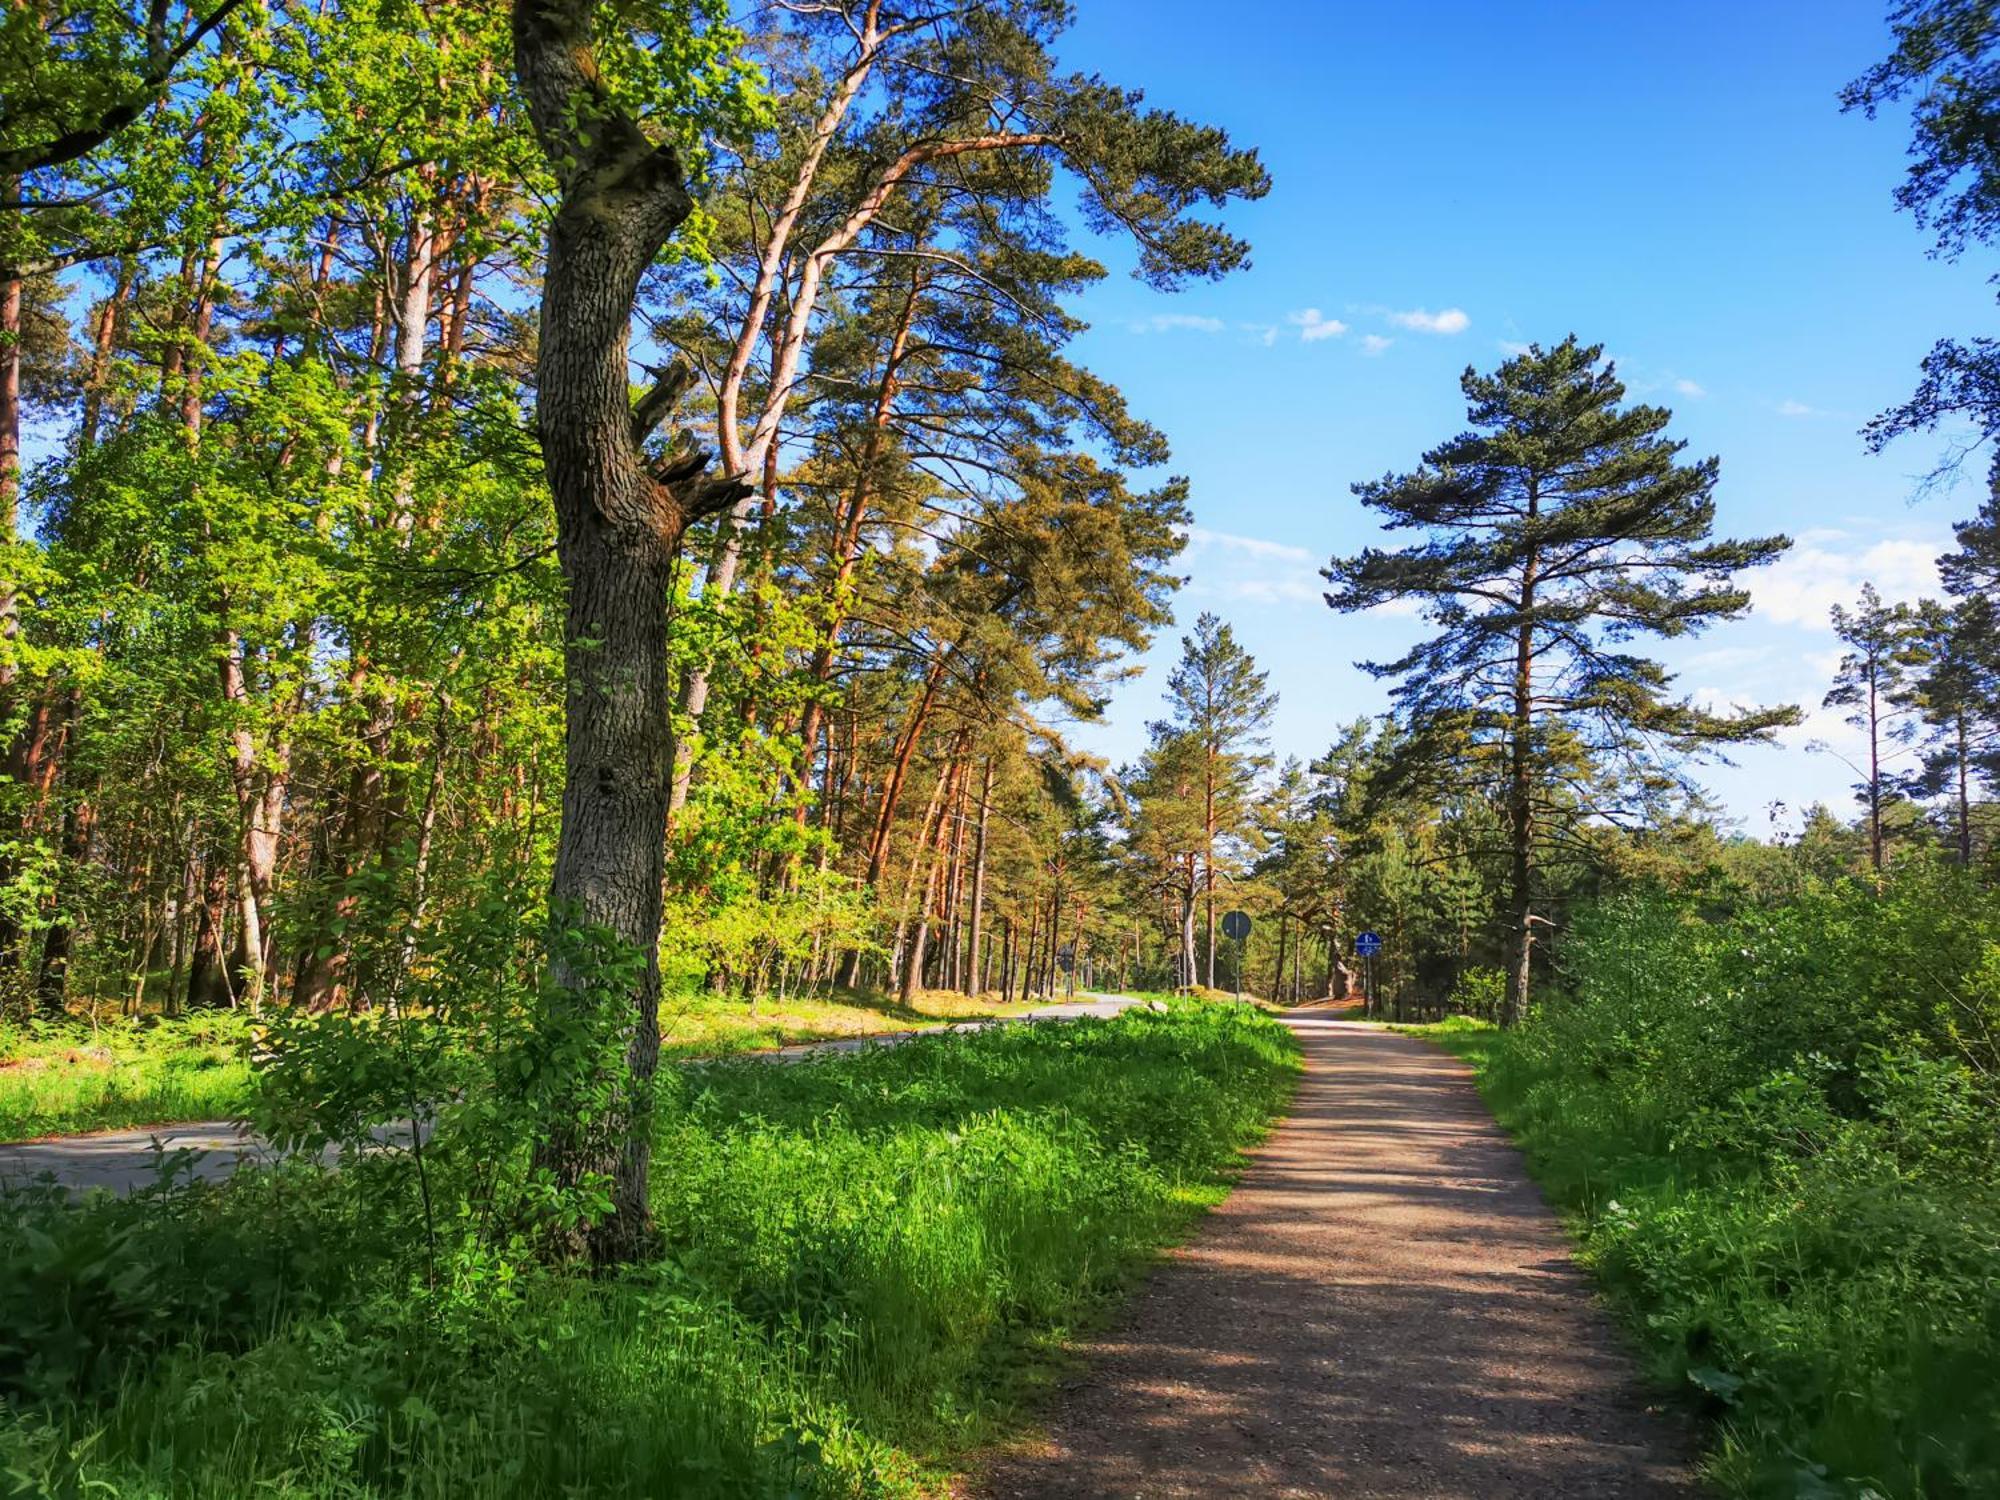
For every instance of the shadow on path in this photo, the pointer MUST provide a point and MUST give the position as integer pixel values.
(1384, 1307)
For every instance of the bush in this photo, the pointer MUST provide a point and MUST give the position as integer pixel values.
(1777, 1129)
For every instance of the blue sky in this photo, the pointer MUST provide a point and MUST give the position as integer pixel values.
(1675, 182)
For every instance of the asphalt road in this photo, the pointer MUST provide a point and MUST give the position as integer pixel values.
(120, 1161)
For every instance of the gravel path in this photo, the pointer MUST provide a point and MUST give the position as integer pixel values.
(1384, 1307)
(119, 1161)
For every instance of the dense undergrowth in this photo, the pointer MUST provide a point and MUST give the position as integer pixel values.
(864, 1261)
(1777, 1130)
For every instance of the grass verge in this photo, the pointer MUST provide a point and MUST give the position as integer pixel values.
(68, 1078)
(865, 1264)
(123, 1073)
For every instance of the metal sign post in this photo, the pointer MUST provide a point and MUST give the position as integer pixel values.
(1366, 946)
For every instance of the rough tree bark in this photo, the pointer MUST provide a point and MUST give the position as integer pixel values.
(619, 522)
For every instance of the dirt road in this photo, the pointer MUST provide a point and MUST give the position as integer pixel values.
(1383, 1308)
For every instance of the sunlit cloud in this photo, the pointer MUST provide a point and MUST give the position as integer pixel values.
(1314, 325)
(1422, 320)
(1803, 586)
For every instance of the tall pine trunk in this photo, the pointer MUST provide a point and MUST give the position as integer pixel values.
(1520, 800)
(976, 967)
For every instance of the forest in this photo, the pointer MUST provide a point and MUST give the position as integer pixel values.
(550, 547)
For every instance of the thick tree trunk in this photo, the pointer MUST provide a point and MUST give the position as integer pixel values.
(208, 977)
(617, 529)
(261, 782)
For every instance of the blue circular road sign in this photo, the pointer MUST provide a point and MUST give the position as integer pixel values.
(1368, 944)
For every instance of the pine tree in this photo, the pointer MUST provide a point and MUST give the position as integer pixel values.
(1872, 682)
(1954, 694)
(1557, 530)
(1169, 832)
(1217, 698)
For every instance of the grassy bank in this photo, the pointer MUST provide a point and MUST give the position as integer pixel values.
(701, 1025)
(120, 1073)
(61, 1079)
(864, 1262)
(1776, 1134)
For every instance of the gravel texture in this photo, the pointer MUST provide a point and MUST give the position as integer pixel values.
(1384, 1307)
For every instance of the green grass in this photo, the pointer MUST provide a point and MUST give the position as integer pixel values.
(63, 1079)
(867, 1266)
(68, 1078)
(703, 1025)
(1825, 1290)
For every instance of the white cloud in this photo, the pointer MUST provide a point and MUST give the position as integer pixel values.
(1255, 546)
(1272, 590)
(1798, 409)
(1692, 388)
(1802, 587)
(1314, 325)
(1179, 323)
(1421, 320)
(1374, 343)
(1252, 569)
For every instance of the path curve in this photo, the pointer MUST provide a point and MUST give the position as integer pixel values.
(120, 1161)
(1384, 1309)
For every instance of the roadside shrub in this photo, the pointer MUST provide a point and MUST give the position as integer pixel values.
(1780, 1132)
